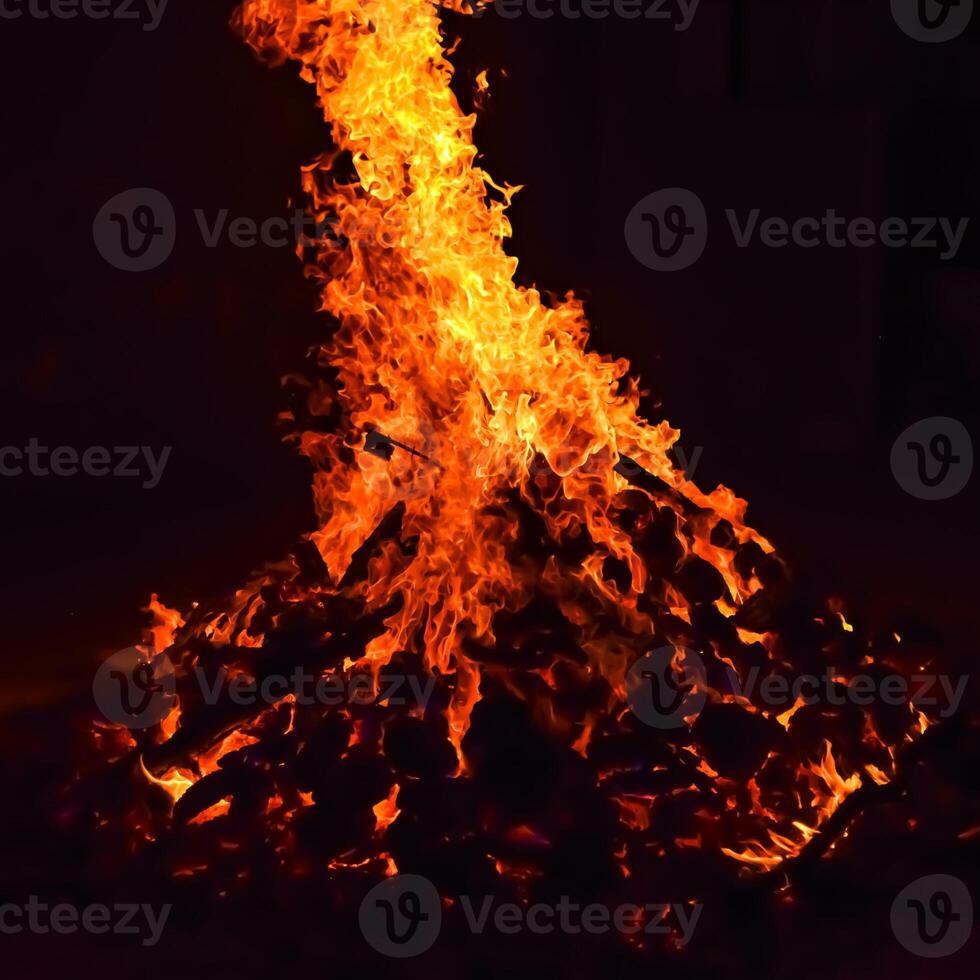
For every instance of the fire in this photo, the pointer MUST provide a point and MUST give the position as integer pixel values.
(165, 624)
(781, 848)
(386, 812)
(464, 401)
(438, 350)
(178, 783)
(209, 760)
(829, 788)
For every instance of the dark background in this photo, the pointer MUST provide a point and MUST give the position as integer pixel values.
(793, 369)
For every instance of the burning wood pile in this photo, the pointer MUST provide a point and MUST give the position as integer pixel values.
(570, 622)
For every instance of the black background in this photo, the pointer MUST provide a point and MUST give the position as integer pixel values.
(794, 369)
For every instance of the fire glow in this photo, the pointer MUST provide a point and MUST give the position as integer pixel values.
(472, 461)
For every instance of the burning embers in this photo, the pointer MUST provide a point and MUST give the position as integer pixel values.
(498, 526)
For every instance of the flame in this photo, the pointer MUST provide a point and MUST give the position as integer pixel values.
(828, 786)
(461, 398)
(782, 848)
(487, 387)
(177, 784)
(386, 812)
(877, 774)
(828, 789)
(836, 606)
(219, 809)
(786, 716)
(180, 779)
(208, 761)
(165, 624)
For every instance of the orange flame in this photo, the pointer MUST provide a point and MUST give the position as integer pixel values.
(484, 393)
(438, 348)
(164, 625)
(386, 812)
